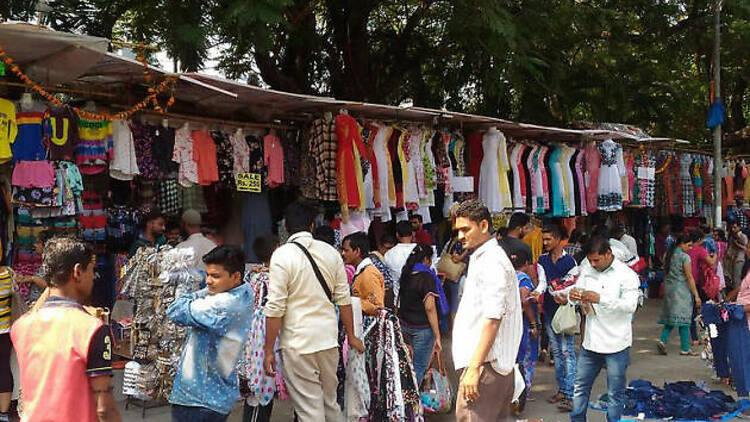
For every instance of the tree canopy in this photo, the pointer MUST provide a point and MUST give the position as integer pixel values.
(642, 62)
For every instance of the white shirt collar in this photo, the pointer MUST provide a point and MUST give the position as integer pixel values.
(486, 245)
(362, 265)
(299, 235)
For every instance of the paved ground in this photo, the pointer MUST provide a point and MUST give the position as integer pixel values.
(645, 364)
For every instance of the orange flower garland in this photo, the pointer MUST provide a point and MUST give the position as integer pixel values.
(152, 97)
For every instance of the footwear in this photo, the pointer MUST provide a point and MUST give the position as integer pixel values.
(565, 405)
(556, 398)
(662, 348)
(688, 353)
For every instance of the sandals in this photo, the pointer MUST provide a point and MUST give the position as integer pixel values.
(662, 348)
(565, 405)
(556, 398)
(688, 353)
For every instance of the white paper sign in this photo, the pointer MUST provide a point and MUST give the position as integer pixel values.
(462, 184)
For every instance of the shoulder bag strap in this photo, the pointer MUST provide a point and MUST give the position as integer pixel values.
(317, 272)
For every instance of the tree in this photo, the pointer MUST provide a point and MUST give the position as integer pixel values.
(543, 61)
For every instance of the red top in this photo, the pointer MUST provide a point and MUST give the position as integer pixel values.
(423, 237)
(347, 133)
(204, 155)
(476, 154)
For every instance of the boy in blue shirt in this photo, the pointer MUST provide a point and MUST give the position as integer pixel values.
(206, 386)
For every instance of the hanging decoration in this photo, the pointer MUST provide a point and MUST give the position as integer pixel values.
(151, 98)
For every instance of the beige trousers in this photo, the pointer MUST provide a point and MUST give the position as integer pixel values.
(495, 395)
(312, 382)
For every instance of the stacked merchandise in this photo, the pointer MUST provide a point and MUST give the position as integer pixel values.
(153, 279)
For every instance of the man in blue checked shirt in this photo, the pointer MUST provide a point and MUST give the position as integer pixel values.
(206, 386)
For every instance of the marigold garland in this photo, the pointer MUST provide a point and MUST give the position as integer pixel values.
(665, 165)
(152, 97)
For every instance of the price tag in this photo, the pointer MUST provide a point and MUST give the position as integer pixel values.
(249, 182)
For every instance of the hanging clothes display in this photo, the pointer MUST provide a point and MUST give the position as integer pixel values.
(494, 189)
(612, 170)
(183, 156)
(323, 147)
(273, 154)
(350, 189)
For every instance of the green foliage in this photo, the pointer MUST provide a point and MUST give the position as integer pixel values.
(642, 62)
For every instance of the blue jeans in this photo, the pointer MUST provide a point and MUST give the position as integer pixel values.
(422, 341)
(196, 414)
(589, 365)
(563, 350)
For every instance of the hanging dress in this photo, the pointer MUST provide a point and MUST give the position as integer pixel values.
(557, 184)
(489, 174)
(349, 170)
(476, 157)
(610, 176)
(592, 177)
(686, 181)
(519, 200)
(580, 165)
(383, 161)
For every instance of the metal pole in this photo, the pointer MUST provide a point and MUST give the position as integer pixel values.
(717, 130)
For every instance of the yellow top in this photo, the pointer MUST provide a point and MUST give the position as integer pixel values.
(8, 129)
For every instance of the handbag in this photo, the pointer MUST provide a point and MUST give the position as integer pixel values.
(565, 320)
(711, 282)
(436, 388)
(452, 270)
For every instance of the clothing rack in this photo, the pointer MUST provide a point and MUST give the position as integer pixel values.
(211, 120)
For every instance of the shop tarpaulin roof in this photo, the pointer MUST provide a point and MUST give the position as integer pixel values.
(50, 57)
(54, 58)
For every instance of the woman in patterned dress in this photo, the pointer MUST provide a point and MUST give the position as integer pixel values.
(680, 296)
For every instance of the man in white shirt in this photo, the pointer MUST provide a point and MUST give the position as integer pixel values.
(396, 257)
(626, 239)
(488, 326)
(607, 290)
(304, 312)
(191, 224)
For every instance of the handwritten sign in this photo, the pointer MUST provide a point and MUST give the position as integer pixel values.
(249, 182)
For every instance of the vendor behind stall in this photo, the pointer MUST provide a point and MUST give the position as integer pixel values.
(196, 240)
(154, 226)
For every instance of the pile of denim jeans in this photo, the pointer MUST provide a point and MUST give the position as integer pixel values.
(682, 400)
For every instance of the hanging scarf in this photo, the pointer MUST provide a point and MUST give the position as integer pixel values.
(443, 301)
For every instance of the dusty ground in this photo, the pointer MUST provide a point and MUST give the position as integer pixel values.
(645, 364)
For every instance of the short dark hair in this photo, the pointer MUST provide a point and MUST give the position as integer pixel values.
(263, 247)
(404, 229)
(388, 238)
(555, 230)
(232, 258)
(575, 236)
(172, 224)
(359, 241)
(152, 215)
(618, 231)
(325, 234)
(518, 219)
(417, 216)
(519, 258)
(696, 235)
(600, 231)
(60, 256)
(599, 245)
(299, 216)
(474, 210)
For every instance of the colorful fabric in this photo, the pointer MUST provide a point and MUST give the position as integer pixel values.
(204, 155)
(28, 144)
(143, 138)
(8, 128)
(324, 153)
(94, 149)
(60, 133)
(183, 156)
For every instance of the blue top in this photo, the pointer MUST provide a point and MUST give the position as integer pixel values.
(525, 282)
(218, 326)
(554, 271)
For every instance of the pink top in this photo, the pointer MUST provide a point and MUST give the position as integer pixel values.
(593, 162)
(33, 174)
(273, 155)
(697, 254)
